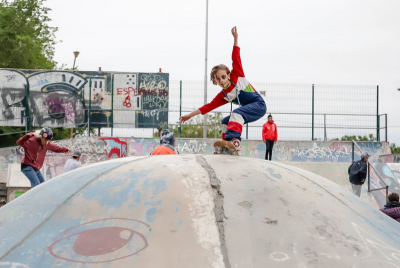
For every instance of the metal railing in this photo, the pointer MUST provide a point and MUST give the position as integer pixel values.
(369, 173)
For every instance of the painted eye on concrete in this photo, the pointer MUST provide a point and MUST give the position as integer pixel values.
(101, 241)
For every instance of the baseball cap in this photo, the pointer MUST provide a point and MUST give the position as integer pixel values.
(364, 155)
(76, 154)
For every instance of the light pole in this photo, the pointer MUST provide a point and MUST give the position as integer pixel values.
(205, 76)
(76, 54)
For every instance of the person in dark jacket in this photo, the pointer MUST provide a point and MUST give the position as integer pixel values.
(35, 145)
(392, 208)
(167, 144)
(357, 173)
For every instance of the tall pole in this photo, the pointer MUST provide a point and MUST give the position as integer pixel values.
(378, 138)
(205, 75)
(312, 123)
(180, 108)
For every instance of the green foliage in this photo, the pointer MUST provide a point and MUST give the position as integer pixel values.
(370, 137)
(26, 40)
(194, 127)
(11, 139)
(394, 149)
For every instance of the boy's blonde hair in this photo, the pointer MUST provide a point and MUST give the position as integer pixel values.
(215, 69)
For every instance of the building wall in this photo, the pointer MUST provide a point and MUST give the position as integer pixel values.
(66, 98)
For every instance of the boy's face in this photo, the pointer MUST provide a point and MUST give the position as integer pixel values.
(270, 119)
(222, 78)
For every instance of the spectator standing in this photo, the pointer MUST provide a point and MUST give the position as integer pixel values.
(357, 173)
(392, 208)
(167, 144)
(35, 145)
(73, 163)
(270, 136)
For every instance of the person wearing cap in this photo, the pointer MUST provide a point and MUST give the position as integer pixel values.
(358, 173)
(167, 144)
(35, 145)
(73, 163)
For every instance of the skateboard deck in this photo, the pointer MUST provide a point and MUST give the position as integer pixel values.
(225, 147)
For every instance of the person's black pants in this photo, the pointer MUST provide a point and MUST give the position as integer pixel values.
(268, 153)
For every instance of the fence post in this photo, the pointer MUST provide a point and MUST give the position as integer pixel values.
(369, 176)
(180, 108)
(28, 122)
(352, 152)
(312, 124)
(112, 103)
(386, 124)
(247, 131)
(377, 114)
(215, 129)
(90, 105)
(325, 138)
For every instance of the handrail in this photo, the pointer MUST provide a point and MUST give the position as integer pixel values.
(369, 174)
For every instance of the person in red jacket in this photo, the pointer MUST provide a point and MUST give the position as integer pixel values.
(35, 145)
(269, 136)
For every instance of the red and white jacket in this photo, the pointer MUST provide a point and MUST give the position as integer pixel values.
(238, 78)
(270, 132)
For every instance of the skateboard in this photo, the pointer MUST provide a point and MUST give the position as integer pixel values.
(225, 147)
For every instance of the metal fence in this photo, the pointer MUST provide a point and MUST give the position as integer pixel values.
(301, 112)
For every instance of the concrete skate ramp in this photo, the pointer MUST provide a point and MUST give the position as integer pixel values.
(194, 211)
(337, 173)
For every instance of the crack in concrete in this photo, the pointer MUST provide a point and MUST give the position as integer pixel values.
(218, 206)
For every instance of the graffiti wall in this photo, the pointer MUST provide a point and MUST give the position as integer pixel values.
(95, 149)
(69, 99)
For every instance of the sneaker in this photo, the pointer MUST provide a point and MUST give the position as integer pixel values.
(236, 143)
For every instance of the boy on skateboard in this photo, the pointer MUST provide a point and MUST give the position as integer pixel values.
(235, 89)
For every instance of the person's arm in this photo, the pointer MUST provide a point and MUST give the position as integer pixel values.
(263, 132)
(237, 68)
(21, 141)
(186, 117)
(58, 149)
(276, 133)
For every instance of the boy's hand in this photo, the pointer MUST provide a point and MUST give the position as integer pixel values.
(234, 32)
(184, 118)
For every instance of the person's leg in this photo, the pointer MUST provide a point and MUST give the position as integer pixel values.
(224, 124)
(266, 149)
(30, 173)
(40, 177)
(268, 145)
(242, 115)
(270, 152)
(356, 189)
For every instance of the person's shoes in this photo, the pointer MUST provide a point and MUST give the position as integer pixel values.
(236, 143)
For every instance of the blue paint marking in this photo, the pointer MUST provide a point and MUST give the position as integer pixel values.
(156, 186)
(151, 214)
(180, 222)
(153, 203)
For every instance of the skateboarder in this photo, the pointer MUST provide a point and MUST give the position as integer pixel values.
(35, 145)
(235, 89)
(167, 144)
(270, 136)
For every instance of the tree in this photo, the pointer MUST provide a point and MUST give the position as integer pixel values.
(394, 149)
(194, 127)
(356, 138)
(26, 40)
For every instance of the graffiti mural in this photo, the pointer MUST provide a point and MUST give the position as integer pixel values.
(69, 99)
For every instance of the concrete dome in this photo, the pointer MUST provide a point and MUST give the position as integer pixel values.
(194, 211)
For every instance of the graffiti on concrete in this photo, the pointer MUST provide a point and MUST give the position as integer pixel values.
(100, 241)
(64, 98)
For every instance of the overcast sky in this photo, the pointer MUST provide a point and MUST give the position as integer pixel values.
(285, 41)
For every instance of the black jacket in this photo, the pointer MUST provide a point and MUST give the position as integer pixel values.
(357, 172)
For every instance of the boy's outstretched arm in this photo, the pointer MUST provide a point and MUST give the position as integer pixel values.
(235, 36)
(186, 117)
